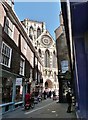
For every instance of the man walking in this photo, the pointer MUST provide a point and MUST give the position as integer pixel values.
(69, 101)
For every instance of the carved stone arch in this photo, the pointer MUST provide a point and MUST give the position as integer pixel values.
(47, 50)
(31, 29)
(47, 58)
(48, 84)
(31, 32)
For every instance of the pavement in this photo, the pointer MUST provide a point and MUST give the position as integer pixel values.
(46, 109)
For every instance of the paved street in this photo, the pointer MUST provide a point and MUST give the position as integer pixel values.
(45, 109)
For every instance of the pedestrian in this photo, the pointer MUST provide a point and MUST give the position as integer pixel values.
(45, 94)
(27, 97)
(54, 95)
(69, 101)
(50, 93)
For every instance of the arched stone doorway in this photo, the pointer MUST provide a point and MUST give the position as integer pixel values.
(48, 84)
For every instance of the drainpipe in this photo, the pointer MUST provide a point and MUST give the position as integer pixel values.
(70, 30)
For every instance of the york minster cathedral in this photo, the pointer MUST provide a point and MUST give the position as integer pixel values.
(46, 48)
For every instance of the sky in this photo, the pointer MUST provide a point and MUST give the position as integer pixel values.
(47, 12)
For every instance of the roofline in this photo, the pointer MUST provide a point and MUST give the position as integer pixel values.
(33, 20)
(56, 29)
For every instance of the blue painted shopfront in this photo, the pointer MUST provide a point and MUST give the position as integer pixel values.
(79, 31)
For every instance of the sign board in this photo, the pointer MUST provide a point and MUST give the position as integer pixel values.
(18, 81)
(64, 66)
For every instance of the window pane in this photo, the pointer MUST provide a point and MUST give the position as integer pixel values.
(18, 93)
(8, 27)
(6, 90)
(5, 54)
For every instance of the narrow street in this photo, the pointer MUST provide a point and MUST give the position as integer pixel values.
(43, 59)
(45, 109)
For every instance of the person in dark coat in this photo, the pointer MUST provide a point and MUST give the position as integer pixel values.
(54, 95)
(45, 94)
(50, 93)
(69, 101)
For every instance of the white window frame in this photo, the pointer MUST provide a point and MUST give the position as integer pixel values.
(5, 55)
(9, 28)
(22, 66)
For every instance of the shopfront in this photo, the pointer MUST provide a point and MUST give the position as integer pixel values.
(12, 92)
(7, 87)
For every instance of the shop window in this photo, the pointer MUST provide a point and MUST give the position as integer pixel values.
(22, 63)
(6, 54)
(8, 27)
(6, 90)
(19, 90)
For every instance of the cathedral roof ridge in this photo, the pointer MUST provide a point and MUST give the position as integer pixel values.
(34, 20)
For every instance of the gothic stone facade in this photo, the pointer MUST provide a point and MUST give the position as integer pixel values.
(46, 47)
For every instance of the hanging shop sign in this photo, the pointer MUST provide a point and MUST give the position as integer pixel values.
(18, 81)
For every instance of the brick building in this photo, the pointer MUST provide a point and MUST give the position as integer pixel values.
(19, 71)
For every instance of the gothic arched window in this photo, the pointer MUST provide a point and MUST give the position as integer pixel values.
(38, 32)
(55, 76)
(31, 31)
(54, 59)
(47, 58)
(40, 53)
